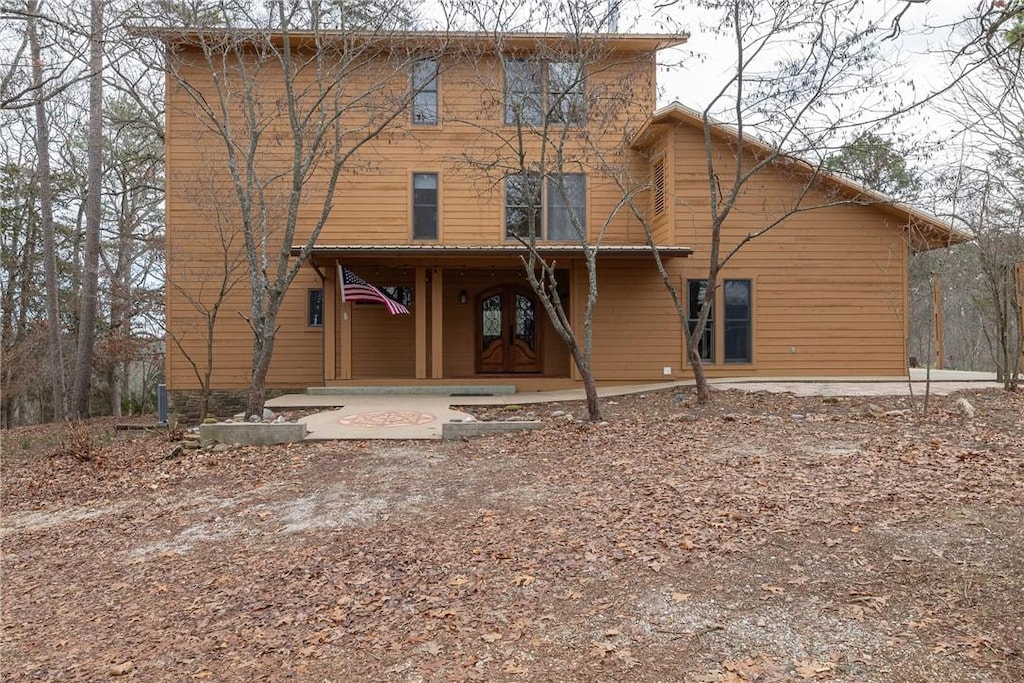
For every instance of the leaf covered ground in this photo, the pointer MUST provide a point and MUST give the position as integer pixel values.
(764, 538)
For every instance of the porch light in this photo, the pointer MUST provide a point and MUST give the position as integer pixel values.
(463, 296)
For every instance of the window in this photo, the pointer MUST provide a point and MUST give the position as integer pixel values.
(565, 92)
(523, 93)
(567, 206)
(424, 88)
(522, 205)
(401, 294)
(737, 321)
(533, 88)
(315, 307)
(424, 206)
(695, 299)
(564, 196)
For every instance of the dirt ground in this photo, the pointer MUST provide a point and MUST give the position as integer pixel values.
(765, 538)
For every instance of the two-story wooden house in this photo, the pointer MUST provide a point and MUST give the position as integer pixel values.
(497, 137)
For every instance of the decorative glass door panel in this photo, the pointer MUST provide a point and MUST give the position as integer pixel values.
(508, 331)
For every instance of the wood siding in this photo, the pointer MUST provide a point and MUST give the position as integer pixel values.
(829, 287)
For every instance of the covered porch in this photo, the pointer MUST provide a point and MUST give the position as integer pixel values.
(473, 318)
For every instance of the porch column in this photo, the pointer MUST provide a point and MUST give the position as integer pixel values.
(346, 340)
(577, 305)
(436, 324)
(420, 311)
(330, 345)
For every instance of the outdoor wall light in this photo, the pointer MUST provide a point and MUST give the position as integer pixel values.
(463, 296)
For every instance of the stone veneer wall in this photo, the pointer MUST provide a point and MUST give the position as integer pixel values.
(183, 404)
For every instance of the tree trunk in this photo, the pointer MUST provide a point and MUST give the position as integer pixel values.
(590, 389)
(700, 379)
(91, 262)
(261, 364)
(58, 386)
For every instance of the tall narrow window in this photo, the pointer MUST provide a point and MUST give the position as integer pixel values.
(695, 299)
(659, 187)
(523, 92)
(424, 206)
(567, 207)
(565, 92)
(522, 205)
(424, 88)
(737, 321)
(315, 307)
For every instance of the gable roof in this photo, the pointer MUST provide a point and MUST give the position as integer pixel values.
(925, 230)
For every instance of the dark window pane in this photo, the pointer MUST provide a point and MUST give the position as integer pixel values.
(491, 320)
(567, 207)
(565, 92)
(424, 206)
(525, 320)
(403, 295)
(695, 299)
(737, 342)
(522, 91)
(737, 321)
(737, 299)
(315, 308)
(522, 205)
(424, 84)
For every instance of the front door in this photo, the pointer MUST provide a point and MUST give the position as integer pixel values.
(508, 331)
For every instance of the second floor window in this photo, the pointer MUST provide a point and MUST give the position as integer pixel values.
(424, 88)
(565, 92)
(424, 206)
(535, 89)
(523, 91)
(555, 210)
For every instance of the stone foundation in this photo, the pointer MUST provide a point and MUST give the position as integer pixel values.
(183, 404)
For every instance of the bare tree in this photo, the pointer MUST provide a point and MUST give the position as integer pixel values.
(88, 303)
(290, 104)
(42, 140)
(569, 105)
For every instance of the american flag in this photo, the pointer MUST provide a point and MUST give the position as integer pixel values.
(355, 288)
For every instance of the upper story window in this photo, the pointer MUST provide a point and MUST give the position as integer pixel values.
(424, 88)
(565, 92)
(535, 89)
(523, 91)
(523, 205)
(424, 206)
(555, 210)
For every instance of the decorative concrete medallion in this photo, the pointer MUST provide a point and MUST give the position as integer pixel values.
(404, 418)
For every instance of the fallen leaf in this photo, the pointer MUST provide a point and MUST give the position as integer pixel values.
(121, 669)
(510, 666)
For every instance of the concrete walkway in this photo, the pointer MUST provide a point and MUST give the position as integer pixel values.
(422, 416)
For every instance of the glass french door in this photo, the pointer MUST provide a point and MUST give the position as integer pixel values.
(508, 331)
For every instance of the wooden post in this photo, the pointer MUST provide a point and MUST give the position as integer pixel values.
(420, 312)
(577, 303)
(345, 326)
(436, 324)
(330, 324)
(1019, 277)
(937, 306)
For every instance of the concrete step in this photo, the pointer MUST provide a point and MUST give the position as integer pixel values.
(414, 389)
